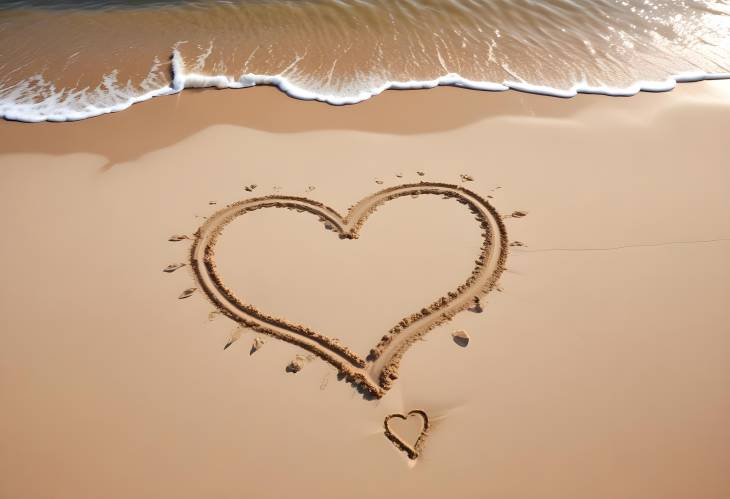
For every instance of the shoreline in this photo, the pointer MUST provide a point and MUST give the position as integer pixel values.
(194, 81)
(174, 117)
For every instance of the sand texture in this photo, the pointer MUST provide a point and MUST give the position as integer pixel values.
(212, 295)
(412, 449)
(375, 374)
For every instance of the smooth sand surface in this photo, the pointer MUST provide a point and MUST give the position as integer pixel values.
(599, 367)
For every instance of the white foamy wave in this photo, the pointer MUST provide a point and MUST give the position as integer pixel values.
(191, 79)
(37, 100)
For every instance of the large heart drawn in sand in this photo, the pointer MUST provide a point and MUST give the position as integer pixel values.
(376, 373)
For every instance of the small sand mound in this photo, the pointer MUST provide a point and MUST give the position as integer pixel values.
(173, 267)
(235, 336)
(258, 342)
(477, 307)
(460, 337)
(296, 365)
(187, 293)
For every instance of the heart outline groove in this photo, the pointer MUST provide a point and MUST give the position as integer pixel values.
(375, 374)
(414, 451)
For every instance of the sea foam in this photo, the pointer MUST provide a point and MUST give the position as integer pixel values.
(36, 100)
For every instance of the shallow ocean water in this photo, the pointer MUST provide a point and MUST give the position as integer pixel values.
(76, 59)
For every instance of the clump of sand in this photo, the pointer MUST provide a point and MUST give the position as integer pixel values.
(258, 342)
(296, 365)
(460, 337)
(173, 267)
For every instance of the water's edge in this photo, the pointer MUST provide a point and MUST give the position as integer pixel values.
(181, 79)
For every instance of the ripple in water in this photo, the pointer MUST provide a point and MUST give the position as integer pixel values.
(72, 60)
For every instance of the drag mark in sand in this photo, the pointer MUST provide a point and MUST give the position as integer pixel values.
(375, 374)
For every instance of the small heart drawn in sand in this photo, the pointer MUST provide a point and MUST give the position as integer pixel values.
(412, 450)
(375, 373)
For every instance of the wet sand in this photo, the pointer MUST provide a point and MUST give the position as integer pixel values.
(598, 366)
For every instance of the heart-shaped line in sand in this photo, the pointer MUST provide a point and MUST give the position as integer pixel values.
(413, 451)
(376, 373)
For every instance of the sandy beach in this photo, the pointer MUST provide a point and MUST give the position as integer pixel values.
(598, 365)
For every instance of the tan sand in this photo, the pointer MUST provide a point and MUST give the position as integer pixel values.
(405, 438)
(374, 374)
(598, 366)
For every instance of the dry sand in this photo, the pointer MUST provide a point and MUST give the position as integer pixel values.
(599, 366)
(372, 374)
